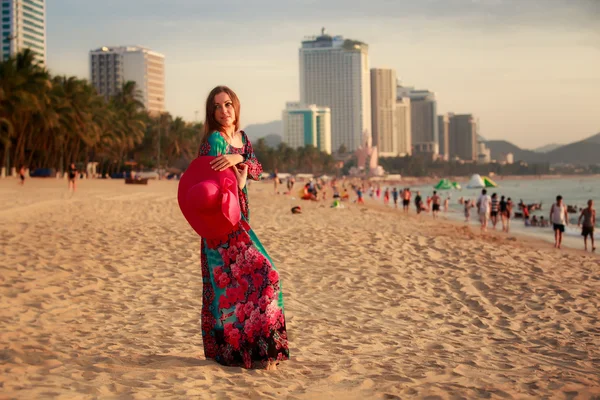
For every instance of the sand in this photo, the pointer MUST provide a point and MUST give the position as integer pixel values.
(101, 296)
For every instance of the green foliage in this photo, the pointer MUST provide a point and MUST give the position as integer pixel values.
(51, 122)
(286, 159)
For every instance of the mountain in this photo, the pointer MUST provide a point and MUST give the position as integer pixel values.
(272, 140)
(257, 131)
(584, 152)
(499, 148)
(547, 148)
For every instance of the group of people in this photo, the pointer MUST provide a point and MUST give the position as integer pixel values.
(490, 209)
(72, 173)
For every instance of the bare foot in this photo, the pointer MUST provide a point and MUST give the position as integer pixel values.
(271, 366)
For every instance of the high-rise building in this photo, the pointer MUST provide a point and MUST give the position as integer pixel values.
(462, 137)
(383, 111)
(334, 73)
(403, 126)
(443, 132)
(112, 67)
(23, 27)
(423, 113)
(307, 125)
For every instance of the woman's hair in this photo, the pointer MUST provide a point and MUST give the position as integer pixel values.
(210, 123)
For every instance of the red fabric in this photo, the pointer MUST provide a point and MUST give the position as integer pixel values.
(209, 199)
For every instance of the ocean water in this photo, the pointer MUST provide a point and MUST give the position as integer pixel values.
(576, 191)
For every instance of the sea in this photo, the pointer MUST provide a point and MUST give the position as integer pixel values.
(575, 190)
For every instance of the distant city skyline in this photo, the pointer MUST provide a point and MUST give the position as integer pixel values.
(527, 69)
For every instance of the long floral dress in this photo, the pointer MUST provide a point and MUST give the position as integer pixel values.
(243, 323)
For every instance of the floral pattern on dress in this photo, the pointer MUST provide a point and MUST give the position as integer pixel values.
(243, 322)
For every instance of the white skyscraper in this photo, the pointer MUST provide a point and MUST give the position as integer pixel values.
(23, 27)
(403, 126)
(334, 73)
(111, 67)
(383, 111)
(307, 125)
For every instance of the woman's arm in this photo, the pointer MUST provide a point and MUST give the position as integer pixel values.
(254, 167)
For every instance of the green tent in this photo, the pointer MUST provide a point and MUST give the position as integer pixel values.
(456, 186)
(444, 184)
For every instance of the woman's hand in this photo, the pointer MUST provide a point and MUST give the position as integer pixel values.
(241, 173)
(222, 162)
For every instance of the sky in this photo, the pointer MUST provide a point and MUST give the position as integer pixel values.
(529, 70)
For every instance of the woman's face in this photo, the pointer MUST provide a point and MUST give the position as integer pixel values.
(224, 111)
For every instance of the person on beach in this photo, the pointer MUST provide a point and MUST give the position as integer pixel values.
(406, 200)
(588, 215)
(395, 197)
(72, 172)
(436, 202)
(468, 206)
(446, 204)
(386, 196)
(502, 210)
(418, 202)
(290, 183)
(560, 219)
(243, 321)
(276, 181)
(359, 196)
(495, 209)
(509, 207)
(22, 175)
(484, 206)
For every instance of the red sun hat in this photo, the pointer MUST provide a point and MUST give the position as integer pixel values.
(208, 199)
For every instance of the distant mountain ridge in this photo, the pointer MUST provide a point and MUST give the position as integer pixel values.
(583, 152)
(547, 148)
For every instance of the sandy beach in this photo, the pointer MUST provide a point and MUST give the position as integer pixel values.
(101, 297)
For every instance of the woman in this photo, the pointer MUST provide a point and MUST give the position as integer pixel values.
(242, 304)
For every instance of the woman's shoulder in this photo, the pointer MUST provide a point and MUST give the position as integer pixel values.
(215, 137)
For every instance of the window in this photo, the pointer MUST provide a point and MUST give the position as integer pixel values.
(6, 26)
(34, 4)
(5, 12)
(41, 14)
(33, 17)
(6, 19)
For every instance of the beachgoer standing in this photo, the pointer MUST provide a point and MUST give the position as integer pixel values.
(242, 321)
(72, 176)
(484, 206)
(359, 194)
(468, 207)
(419, 202)
(559, 218)
(386, 196)
(503, 212)
(276, 181)
(436, 201)
(495, 209)
(406, 200)
(22, 175)
(395, 197)
(446, 203)
(588, 215)
(509, 207)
